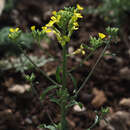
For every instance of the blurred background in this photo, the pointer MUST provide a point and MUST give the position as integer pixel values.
(109, 86)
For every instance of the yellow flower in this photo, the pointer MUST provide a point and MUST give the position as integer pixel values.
(53, 18)
(33, 28)
(83, 52)
(101, 35)
(50, 24)
(44, 28)
(12, 30)
(79, 7)
(48, 30)
(75, 24)
(54, 12)
(79, 51)
(17, 29)
(78, 15)
(75, 28)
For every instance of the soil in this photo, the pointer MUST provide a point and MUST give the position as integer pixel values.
(108, 85)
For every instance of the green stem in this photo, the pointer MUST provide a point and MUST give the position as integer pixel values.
(64, 67)
(63, 96)
(92, 70)
(63, 118)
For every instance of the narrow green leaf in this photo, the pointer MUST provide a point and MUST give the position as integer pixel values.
(47, 90)
(58, 77)
(41, 126)
(80, 105)
(73, 102)
(73, 80)
(55, 100)
(50, 127)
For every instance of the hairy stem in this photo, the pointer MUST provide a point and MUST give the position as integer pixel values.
(63, 96)
(92, 70)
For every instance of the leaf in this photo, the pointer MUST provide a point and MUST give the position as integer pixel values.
(96, 119)
(58, 77)
(73, 102)
(73, 80)
(47, 90)
(55, 100)
(50, 127)
(80, 104)
(23, 63)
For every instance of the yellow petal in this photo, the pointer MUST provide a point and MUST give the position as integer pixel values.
(83, 52)
(50, 24)
(78, 15)
(79, 7)
(101, 35)
(12, 30)
(54, 12)
(75, 28)
(48, 30)
(76, 24)
(44, 28)
(17, 29)
(32, 28)
(53, 18)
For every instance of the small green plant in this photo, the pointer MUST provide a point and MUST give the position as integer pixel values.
(63, 23)
(112, 11)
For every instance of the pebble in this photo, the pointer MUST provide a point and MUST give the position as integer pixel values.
(125, 102)
(2, 5)
(125, 73)
(28, 121)
(19, 89)
(78, 109)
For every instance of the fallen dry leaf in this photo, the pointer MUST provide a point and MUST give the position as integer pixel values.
(99, 98)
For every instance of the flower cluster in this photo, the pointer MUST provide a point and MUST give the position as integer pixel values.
(14, 33)
(62, 24)
(37, 34)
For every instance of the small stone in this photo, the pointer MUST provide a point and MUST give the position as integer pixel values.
(125, 102)
(119, 60)
(20, 89)
(70, 50)
(125, 73)
(78, 109)
(28, 121)
(35, 119)
(2, 4)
